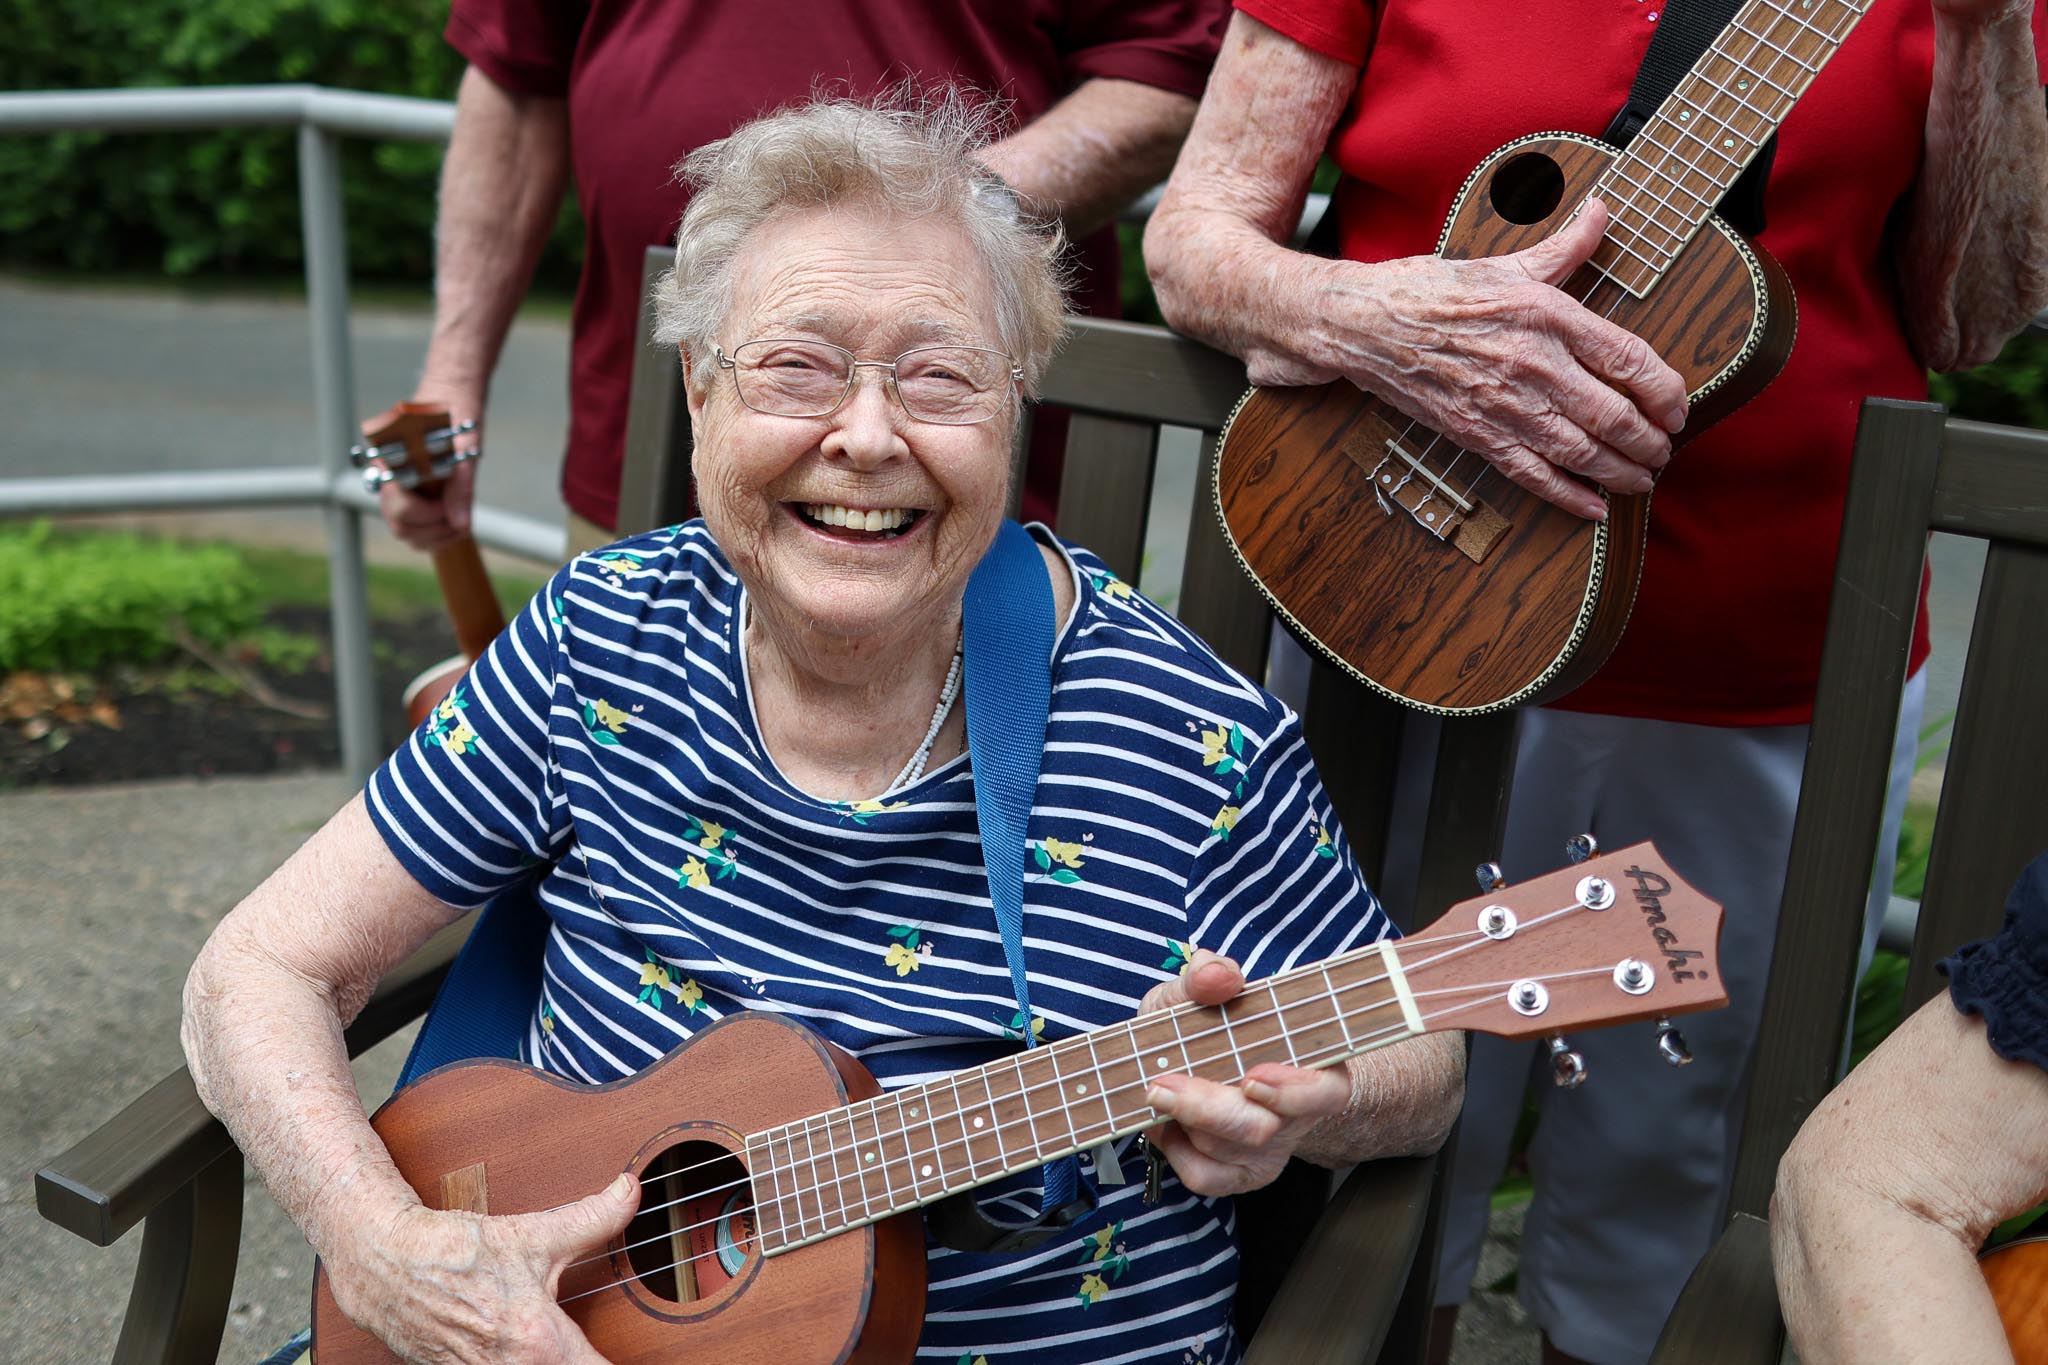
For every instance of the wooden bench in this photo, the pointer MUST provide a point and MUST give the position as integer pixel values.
(1916, 470)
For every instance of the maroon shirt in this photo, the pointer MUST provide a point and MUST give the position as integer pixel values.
(647, 82)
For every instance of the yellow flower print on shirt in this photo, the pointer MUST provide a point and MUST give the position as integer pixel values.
(447, 728)
(1225, 821)
(910, 950)
(1059, 859)
(1223, 750)
(718, 858)
(657, 976)
(1104, 1252)
(603, 722)
(1324, 847)
(1109, 585)
(859, 811)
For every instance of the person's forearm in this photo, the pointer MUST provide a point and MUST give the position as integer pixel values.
(263, 1035)
(1403, 1099)
(1215, 247)
(1974, 267)
(501, 188)
(1096, 150)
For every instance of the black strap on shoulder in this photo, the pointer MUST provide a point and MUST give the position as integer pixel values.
(1685, 31)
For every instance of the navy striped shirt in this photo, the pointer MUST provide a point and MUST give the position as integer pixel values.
(607, 744)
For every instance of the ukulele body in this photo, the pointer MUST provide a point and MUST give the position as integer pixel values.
(2018, 1275)
(500, 1137)
(1508, 599)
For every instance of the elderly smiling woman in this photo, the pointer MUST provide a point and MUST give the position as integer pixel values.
(731, 756)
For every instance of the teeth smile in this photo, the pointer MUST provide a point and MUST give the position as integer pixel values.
(860, 519)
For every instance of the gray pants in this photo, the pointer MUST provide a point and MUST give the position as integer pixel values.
(1632, 1169)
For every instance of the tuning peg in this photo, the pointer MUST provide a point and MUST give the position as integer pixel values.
(1567, 1067)
(1580, 847)
(1489, 876)
(1671, 1044)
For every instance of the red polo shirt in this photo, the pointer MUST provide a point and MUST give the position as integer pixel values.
(648, 81)
(1727, 628)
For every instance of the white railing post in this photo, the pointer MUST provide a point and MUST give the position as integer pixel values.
(334, 429)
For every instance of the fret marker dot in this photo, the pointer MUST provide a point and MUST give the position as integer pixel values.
(1684, 115)
(1727, 142)
(924, 1170)
(1742, 85)
(977, 1123)
(871, 1156)
(913, 1111)
(1080, 1090)
(1161, 1063)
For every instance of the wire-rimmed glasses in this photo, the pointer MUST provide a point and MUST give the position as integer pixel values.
(953, 386)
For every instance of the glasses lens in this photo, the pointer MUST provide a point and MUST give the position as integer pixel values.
(791, 378)
(952, 384)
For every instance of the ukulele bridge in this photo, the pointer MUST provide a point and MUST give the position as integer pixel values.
(1407, 478)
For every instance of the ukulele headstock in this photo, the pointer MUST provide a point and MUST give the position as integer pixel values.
(413, 446)
(1613, 939)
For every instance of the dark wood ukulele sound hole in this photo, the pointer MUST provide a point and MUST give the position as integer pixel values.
(1527, 188)
(694, 1233)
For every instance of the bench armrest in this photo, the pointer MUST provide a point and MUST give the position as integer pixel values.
(1727, 1313)
(118, 1174)
(1340, 1298)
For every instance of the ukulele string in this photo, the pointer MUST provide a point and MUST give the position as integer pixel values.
(1466, 941)
(682, 1261)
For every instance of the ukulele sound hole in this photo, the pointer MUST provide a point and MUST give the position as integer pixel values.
(695, 1230)
(1527, 188)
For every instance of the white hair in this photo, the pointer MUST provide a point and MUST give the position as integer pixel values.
(908, 155)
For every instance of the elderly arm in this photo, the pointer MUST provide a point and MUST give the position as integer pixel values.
(1893, 1184)
(1974, 261)
(1096, 150)
(502, 184)
(1489, 351)
(264, 1009)
(1225, 1139)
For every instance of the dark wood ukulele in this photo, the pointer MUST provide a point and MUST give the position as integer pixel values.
(415, 443)
(1408, 560)
(780, 1184)
(2018, 1275)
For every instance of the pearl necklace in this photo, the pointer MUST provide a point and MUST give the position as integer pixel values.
(914, 769)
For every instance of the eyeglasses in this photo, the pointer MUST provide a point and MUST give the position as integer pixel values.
(953, 386)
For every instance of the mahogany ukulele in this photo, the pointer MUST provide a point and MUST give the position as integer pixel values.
(415, 443)
(1412, 563)
(780, 1184)
(2018, 1275)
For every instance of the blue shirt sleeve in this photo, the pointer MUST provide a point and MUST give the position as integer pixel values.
(1276, 886)
(472, 802)
(2005, 979)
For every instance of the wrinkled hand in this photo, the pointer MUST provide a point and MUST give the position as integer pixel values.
(1226, 1139)
(1494, 355)
(464, 1288)
(427, 524)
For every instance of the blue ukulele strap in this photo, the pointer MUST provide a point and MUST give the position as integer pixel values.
(1006, 648)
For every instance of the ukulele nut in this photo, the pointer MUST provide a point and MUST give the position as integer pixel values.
(1528, 998)
(1634, 977)
(1497, 922)
(1595, 893)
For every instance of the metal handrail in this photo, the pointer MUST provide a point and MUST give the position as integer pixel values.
(322, 117)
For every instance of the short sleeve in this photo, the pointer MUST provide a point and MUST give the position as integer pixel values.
(2005, 979)
(472, 802)
(1276, 886)
(524, 46)
(1170, 44)
(1341, 29)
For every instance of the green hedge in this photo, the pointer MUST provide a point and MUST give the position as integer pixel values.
(220, 203)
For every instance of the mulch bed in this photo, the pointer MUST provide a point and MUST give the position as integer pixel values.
(130, 723)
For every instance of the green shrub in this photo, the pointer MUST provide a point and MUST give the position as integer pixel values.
(2011, 389)
(225, 201)
(78, 603)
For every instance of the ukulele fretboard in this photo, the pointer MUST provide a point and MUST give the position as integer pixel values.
(851, 1166)
(1670, 178)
